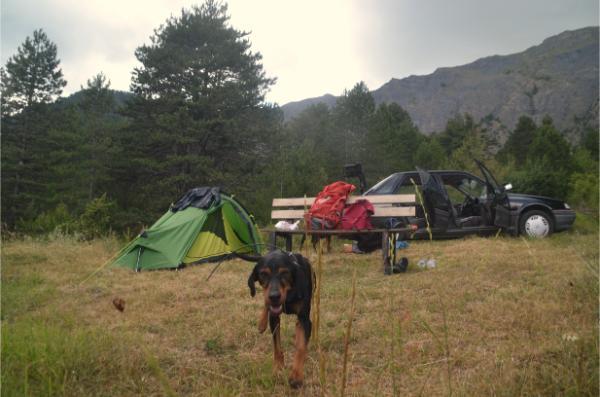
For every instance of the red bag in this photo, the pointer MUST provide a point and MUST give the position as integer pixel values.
(357, 216)
(329, 204)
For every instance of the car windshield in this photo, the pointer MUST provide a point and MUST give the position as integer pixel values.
(466, 184)
(385, 186)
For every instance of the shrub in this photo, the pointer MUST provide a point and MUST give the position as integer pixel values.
(96, 218)
(584, 192)
(541, 178)
(57, 219)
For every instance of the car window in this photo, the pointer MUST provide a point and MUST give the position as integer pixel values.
(455, 195)
(473, 187)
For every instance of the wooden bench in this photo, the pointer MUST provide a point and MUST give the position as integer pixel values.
(385, 206)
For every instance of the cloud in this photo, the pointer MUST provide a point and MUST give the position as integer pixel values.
(312, 47)
(404, 37)
(91, 36)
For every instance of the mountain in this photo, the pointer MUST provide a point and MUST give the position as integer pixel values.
(558, 77)
(292, 109)
(120, 98)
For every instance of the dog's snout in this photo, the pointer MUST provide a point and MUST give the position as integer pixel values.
(274, 296)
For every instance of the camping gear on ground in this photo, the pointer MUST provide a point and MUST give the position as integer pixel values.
(352, 248)
(357, 216)
(401, 244)
(427, 263)
(399, 267)
(204, 225)
(326, 210)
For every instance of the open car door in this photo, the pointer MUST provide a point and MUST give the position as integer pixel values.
(437, 204)
(497, 201)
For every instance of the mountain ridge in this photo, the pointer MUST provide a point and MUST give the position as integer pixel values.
(558, 77)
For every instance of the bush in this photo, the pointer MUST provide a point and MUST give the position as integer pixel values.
(96, 218)
(584, 193)
(57, 219)
(542, 179)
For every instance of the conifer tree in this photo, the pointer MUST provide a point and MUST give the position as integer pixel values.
(31, 80)
(198, 116)
(33, 74)
(352, 113)
(519, 140)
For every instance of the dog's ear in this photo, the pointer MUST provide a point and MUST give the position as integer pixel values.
(253, 278)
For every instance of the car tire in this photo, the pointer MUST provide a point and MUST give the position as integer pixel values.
(536, 224)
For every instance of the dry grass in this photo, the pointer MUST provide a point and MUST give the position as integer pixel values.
(501, 316)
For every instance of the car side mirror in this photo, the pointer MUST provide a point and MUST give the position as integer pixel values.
(508, 186)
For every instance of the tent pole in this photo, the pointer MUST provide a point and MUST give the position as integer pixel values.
(137, 264)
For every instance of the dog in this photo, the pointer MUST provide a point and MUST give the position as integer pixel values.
(287, 281)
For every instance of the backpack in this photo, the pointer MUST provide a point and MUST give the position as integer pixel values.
(357, 216)
(326, 211)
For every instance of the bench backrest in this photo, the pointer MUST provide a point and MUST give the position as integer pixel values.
(385, 205)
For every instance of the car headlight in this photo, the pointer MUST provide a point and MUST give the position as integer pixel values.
(567, 206)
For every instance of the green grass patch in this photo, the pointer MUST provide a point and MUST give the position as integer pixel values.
(23, 293)
(45, 360)
(585, 224)
(497, 316)
(570, 370)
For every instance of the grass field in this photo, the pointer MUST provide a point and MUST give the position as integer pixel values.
(498, 316)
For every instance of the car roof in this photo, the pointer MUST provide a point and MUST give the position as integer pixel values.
(432, 172)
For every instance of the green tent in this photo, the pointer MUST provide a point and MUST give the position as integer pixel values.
(188, 234)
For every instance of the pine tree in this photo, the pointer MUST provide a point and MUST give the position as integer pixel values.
(519, 140)
(430, 155)
(391, 142)
(97, 104)
(352, 113)
(198, 116)
(456, 131)
(30, 81)
(32, 75)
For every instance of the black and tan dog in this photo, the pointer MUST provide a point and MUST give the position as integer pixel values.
(287, 281)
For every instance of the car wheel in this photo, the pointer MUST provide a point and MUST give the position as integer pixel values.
(537, 224)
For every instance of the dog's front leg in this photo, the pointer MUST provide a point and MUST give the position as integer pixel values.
(303, 326)
(277, 352)
(262, 321)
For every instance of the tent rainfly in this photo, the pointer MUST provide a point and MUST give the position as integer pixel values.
(204, 225)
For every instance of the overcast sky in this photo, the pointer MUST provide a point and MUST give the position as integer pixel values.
(312, 47)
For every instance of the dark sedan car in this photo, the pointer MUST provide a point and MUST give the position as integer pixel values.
(458, 203)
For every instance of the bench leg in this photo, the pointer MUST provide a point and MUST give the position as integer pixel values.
(272, 241)
(288, 242)
(385, 251)
(391, 264)
(392, 241)
(388, 246)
